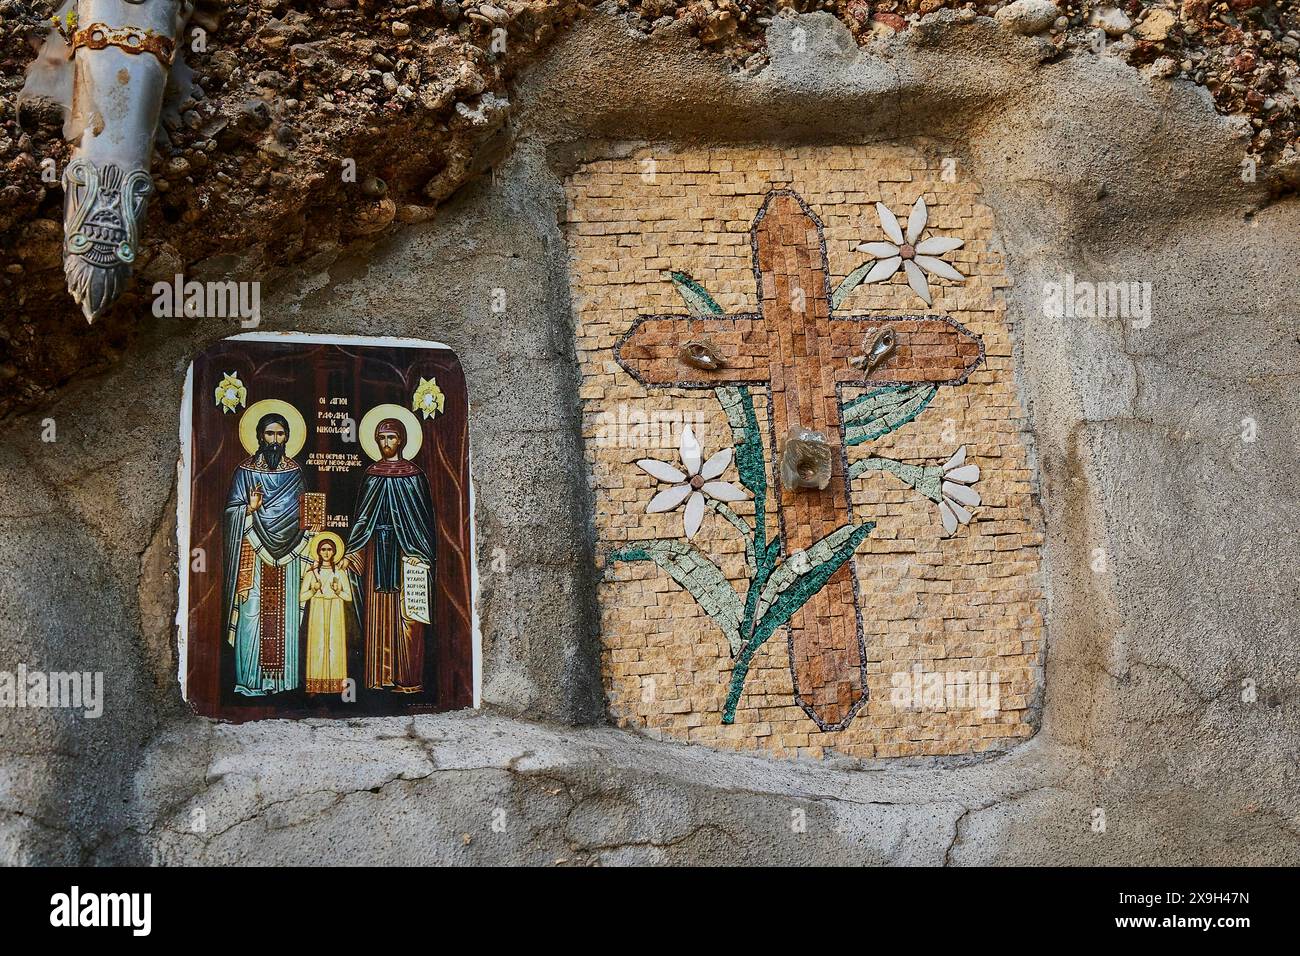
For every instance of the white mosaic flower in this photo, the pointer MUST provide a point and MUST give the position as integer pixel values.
(905, 252)
(958, 496)
(691, 486)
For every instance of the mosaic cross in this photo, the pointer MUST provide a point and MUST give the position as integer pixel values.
(800, 349)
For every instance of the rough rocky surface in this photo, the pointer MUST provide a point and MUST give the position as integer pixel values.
(1091, 167)
(1028, 16)
(285, 92)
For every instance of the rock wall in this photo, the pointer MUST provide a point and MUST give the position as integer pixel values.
(1170, 702)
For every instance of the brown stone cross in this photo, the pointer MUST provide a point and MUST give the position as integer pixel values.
(795, 347)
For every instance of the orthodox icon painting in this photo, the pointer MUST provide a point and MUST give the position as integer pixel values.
(325, 522)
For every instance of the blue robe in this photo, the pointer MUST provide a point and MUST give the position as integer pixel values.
(397, 513)
(277, 541)
(394, 520)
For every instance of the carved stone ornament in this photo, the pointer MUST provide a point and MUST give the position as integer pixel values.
(104, 209)
(117, 97)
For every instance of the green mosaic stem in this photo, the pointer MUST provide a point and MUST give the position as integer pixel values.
(754, 472)
(739, 671)
(751, 463)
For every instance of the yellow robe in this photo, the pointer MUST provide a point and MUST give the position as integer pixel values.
(325, 592)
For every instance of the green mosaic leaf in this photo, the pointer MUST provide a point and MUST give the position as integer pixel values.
(789, 588)
(802, 575)
(851, 282)
(737, 522)
(879, 412)
(927, 479)
(738, 404)
(698, 575)
(698, 301)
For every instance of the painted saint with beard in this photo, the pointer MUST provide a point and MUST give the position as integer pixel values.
(265, 551)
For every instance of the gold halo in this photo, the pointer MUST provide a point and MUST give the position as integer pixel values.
(319, 538)
(248, 425)
(366, 430)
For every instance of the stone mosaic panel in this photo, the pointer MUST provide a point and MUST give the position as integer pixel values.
(850, 292)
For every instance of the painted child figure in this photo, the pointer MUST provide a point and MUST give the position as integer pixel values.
(326, 591)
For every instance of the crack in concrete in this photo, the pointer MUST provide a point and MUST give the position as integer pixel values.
(667, 844)
(970, 810)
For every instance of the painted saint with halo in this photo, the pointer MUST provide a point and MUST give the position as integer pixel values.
(265, 550)
(391, 550)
